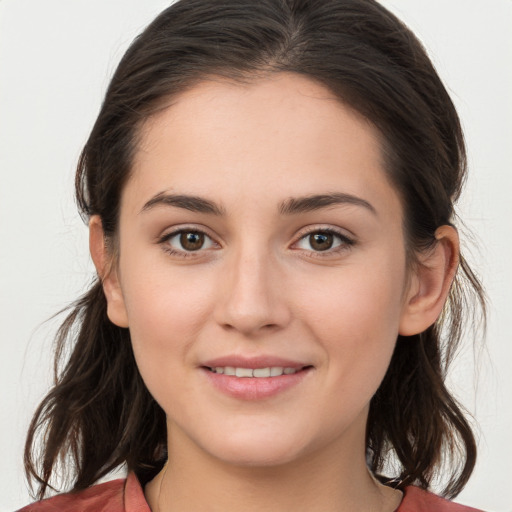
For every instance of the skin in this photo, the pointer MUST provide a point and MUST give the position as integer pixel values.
(258, 286)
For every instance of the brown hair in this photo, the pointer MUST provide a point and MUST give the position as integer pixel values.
(99, 412)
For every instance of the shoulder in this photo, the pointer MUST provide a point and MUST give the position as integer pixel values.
(418, 500)
(105, 496)
(122, 495)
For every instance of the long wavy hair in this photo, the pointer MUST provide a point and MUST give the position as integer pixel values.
(99, 415)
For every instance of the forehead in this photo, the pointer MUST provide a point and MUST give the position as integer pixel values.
(283, 135)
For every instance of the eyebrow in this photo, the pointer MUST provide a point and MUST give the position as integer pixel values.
(187, 202)
(291, 206)
(318, 201)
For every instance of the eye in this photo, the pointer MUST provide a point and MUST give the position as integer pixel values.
(323, 240)
(186, 240)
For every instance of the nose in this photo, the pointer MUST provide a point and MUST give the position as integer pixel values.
(251, 299)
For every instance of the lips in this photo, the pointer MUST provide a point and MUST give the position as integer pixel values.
(254, 362)
(269, 371)
(254, 378)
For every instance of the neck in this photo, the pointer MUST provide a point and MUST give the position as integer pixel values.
(334, 481)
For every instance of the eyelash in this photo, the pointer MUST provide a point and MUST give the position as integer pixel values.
(345, 242)
(163, 241)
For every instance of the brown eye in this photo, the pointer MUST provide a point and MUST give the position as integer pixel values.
(184, 242)
(191, 240)
(321, 241)
(324, 240)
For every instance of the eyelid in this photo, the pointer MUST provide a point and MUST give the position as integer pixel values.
(347, 240)
(184, 228)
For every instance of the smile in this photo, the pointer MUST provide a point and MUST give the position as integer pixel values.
(271, 371)
(255, 382)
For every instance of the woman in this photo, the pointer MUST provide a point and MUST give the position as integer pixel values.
(269, 188)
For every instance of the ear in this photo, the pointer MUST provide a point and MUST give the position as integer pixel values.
(106, 267)
(430, 283)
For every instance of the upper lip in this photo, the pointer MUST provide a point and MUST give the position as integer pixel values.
(262, 361)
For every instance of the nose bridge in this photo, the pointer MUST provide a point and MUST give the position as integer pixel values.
(251, 296)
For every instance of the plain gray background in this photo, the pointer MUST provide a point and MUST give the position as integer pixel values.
(56, 58)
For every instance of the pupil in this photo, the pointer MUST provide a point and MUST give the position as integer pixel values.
(192, 241)
(321, 241)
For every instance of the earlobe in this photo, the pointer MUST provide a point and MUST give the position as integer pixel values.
(105, 266)
(430, 285)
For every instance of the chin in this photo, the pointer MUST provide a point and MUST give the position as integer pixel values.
(254, 449)
(257, 457)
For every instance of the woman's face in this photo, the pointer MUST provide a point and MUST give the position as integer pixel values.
(260, 236)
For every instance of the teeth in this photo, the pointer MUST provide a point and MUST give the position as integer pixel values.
(243, 372)
(261, 372)
(274, 371)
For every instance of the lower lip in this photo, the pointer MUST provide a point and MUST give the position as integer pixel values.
(254, 388)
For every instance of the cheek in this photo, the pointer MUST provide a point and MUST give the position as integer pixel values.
(167, 309)
(159, 295)
(355, 315)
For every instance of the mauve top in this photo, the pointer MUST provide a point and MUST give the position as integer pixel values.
(126, 495)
